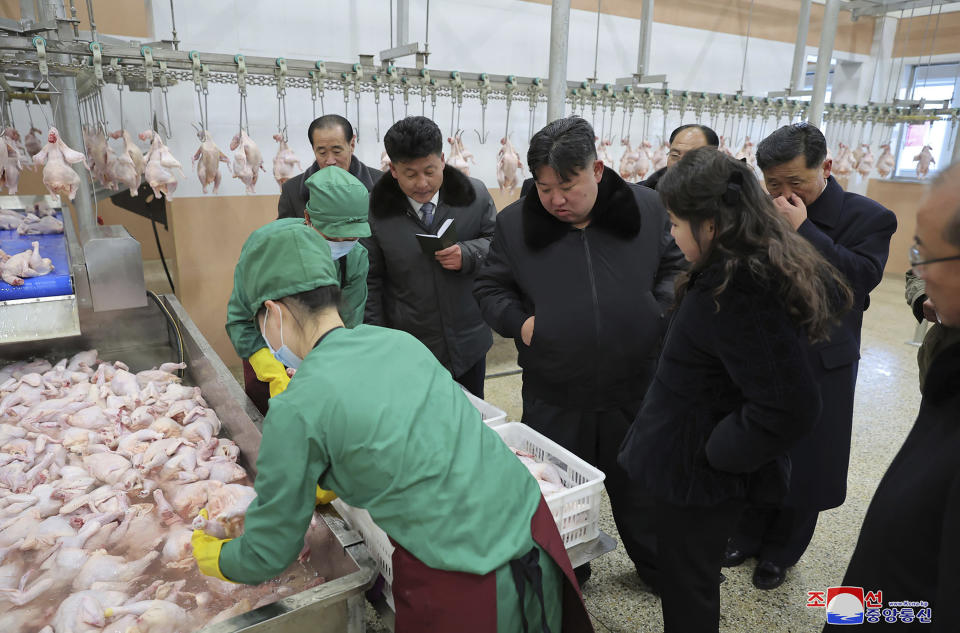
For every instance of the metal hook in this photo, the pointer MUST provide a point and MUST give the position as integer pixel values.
(484, 90)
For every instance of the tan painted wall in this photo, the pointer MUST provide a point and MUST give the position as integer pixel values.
(772, 19)
(923, 36)
(114, 17)
(902, 198)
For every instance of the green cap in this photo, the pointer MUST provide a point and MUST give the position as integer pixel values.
(338, 203)
(283, 258)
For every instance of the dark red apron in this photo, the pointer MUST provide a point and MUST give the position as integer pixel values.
(258, 392)
(428, 599)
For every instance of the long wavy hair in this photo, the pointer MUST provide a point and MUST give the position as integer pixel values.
(749, 232)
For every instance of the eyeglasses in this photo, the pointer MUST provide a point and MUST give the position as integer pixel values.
(917, 264)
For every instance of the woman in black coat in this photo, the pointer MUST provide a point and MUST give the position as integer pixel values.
(733, 390)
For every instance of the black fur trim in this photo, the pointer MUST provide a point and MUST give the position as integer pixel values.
(387, 199)
(615, 211)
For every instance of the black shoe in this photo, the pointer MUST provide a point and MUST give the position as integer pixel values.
(768, 575)
(723, 578)
(583, 573)
(733, 556)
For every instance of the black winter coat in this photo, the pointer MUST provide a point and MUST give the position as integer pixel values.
(408, 290)
(294, 192)
(732, 393)
(908, 546)
(853, 233)
(598, 294)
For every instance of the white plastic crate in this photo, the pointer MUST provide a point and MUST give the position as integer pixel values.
(492, 416)
(576, 510)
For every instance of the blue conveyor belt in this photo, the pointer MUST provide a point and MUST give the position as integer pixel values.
(55, 284)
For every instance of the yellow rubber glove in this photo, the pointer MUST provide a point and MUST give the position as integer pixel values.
(324, 496)
(270, 370)
(206, 549)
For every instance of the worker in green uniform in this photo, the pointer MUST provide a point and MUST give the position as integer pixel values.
(394, 434)
(337, 208)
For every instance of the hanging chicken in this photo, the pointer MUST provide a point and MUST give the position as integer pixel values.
(160, 165)
(32, 142)
(56, 157)
(603, 154)
(643, 160)
(924, 159)
(286, 165)
(209, 157)
(865, 165)
(384, 162)
(11, 164)
(460, 158)
(856, 155)
(247, 160)
(130, 164)
(724, 149)
(886, 162)
(628, 162)
(98, 159)
(843, 165)
(659, 159)
(748, 152)
(508, 162)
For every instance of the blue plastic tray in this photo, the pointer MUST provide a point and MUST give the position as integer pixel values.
(55, 284)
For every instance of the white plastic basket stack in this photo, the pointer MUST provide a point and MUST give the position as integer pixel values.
(492, 416)
(576, 509)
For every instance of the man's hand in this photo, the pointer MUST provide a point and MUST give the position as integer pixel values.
(450, 258)
(792, 208)
(526, 331)
(930, 312)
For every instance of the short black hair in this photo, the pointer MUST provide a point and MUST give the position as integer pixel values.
(565, 145)
(790, 141)
(309, 302)
(328, 121)
(712, 139)
(412, 138)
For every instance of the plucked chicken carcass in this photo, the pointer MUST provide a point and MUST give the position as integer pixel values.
(603, 154)
(460, 158)
(33, 225)
(748, 151)
(286, 165)
(247, 160)
(32, 142)
(628, 162)
(659, 159)
(547, 475)
(886, 161)
(15, 268)
(56, 158)
(129, 171)
(10, 165)
(159, 166)
(924, 159)
(843, 165)
(384, 162)
(207, 161)
(643, 160)
(508, 162)
(865, 165)
(724, 148)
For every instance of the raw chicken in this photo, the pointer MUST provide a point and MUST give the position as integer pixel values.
(643, 160)
(865, 166)
(133, 152)
(459, 158)
(286, 165)
(248, 160)
(56, 158)
(159, 166)
(95, 142)
(32, 142)
(886, 161)
(603, 154)
(508, 162)
(724, 148)
(659, 159)
(384, 162)
(628, 162)
(207, 161)
(843, 165)
(748, 151)
(226, 507)
(924, 159)
(32, 225)
(25, 265)
(857, 154)
(10, 164)
(547, 475)
(10, 219)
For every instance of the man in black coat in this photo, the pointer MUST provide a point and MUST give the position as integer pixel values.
(908, 546)
(853, 233)
(682, 140)
(429, 295)
(580, 274)
(333, 142)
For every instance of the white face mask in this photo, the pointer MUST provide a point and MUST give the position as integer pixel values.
(285, 355)
(339, 249)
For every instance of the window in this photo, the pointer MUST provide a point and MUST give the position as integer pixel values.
(935, 83)
(812, 71)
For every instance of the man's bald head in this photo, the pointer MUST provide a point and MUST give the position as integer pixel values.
(938, 238)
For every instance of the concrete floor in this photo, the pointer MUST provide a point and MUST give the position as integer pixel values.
(886, 405)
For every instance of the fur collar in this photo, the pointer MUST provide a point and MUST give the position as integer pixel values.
(615, 211)
(387, 199)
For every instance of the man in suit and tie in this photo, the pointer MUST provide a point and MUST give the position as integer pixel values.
(429, 295)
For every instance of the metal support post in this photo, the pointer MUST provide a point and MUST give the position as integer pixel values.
(403, 22)
(824, 54)
(646, 31)
(800, 48)
(559, 41)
